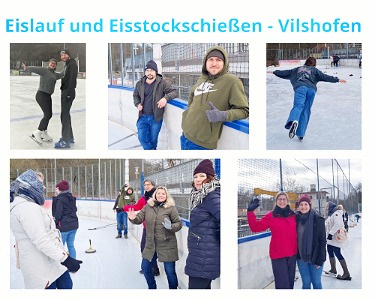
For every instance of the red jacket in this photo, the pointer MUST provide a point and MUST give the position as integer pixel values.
(283, 233)
(138, 206)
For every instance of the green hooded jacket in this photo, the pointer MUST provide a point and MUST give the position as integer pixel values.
(225, 91)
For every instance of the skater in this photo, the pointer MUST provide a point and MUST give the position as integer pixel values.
(335, 222)
(68, 94)
(215, 98)
(126, 198)
(150, 96)
(357, 217)
(311, 244)
(203, 242)
(47, 82)
(304, 80)
(162, 223)
(345, 217)
(283, 246)
(336, 60)
(40, 253)
(149, 187)
(64, 211)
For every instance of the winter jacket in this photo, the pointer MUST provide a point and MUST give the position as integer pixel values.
(319, 241)
(161, 89)
(48, 78)
(39, 244)
(203, 260)
(125, 198)
(284, 234)
(305, 76)
(226, 92)
(333, 224)
(158, 238)
(69, 81)
(64, 210)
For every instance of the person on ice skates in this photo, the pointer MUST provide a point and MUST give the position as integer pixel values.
(304, 80)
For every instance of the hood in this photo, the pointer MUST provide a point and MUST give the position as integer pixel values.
(168, 203)
(130, 189)
(226, 62)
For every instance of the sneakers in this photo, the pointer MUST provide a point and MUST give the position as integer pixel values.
(125, 236)
(71, 140)
(292, 130)
(119, 236)
(37, 137)
(62, 145)
(46, 137)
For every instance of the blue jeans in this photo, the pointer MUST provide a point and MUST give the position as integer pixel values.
(170, 270)
(63, 282)
(148, 131)
(69, 237)
(310, 274)
(301, 111)
(186, 144)
(122, 219)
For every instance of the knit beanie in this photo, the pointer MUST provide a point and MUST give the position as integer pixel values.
(305, 198)
(65, 51)
(205, 166)
(54, 60)
(216, 53)
(63, 185)
(151, 65)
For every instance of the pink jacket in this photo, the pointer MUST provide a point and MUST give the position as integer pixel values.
(283, 233)
(138, 206)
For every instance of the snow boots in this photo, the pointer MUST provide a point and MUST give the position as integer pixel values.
(346, 275)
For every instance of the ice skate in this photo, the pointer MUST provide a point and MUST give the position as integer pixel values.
(37, 138)
(46, 137)
(292, 130)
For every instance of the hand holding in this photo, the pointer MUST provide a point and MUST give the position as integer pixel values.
(253, 205)
(215, 115)
(167, 224)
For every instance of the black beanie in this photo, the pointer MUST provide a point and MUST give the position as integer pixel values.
(205, 166)
(152, 65)
(65, 51)
(216, 53)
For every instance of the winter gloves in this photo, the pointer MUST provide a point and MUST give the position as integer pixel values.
(72, 264)
(329, 237)
(167, 224)
(215, 115)
(254, 204)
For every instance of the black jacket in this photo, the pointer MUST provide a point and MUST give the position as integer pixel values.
(203, 259)
(319, 241)
(64, 210)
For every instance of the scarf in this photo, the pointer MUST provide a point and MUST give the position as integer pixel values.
(285, 212)
(28, 186)
(149, 194)
(197, 196)
(307, 239)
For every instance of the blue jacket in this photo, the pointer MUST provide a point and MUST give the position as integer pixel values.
(203, 259)
(305, 76)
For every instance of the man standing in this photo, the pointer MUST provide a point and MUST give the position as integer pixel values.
(125, 197)
(217, 97)
(68, 94)
(150, 96)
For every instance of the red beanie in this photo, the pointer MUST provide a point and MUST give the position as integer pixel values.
(63, 185)
(305, 198)
(205, 166)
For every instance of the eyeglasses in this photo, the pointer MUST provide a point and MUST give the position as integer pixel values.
(146, 184)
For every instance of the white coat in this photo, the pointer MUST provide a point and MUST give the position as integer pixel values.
(333, 224)
(40, 249)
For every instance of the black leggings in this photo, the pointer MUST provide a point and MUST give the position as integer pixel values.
(45, 102)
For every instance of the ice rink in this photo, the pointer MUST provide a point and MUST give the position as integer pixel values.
(336, 115)
(25, 114)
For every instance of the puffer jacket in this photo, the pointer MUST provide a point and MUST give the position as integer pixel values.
(203, 259)
(40, 249)
(158, 238)
(64, 210)
(333, 223)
